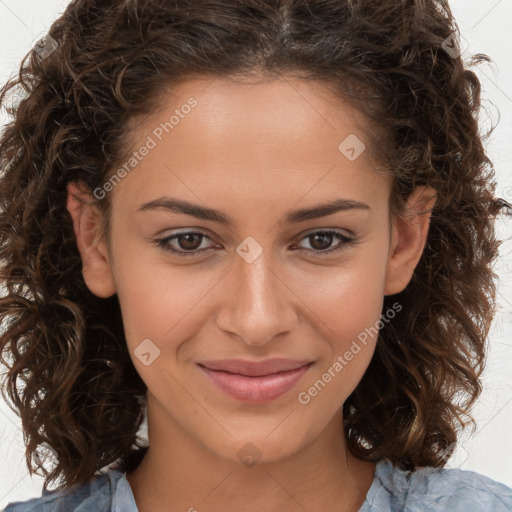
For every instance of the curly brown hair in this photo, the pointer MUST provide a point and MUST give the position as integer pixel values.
(80, 394)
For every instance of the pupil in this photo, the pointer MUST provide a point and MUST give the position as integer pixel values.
(321, 236)
(187, 239)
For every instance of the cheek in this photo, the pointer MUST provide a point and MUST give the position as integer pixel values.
(348, 306)
(351, 303)
(348, 298)
(158, 298)
(349, 310)
(162, 302)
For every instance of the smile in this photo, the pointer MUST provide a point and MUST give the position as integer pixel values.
(255, 382)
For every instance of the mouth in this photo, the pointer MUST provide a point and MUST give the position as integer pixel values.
(255, 382)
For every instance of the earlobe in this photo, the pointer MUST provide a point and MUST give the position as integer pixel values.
(409, 235)
(96, 267)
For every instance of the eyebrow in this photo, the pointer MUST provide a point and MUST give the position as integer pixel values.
(292, 217)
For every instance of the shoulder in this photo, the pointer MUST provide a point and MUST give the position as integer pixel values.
(92, 496)
(435, 489)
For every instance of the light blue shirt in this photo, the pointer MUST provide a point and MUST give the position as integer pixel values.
(392, 490)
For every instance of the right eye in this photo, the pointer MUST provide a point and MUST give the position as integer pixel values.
(189, 241)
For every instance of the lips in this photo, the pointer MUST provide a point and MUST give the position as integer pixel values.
(255, 382)
(253, 368)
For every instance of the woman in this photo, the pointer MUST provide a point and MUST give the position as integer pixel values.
(267, 225)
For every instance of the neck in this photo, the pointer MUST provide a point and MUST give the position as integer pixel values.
(178, 473)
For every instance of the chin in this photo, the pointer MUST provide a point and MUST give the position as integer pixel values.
(251, 450)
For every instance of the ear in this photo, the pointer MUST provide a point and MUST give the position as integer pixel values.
(409, 235)
(96, 267)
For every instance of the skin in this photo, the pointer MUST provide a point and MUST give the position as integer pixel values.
(255, 151)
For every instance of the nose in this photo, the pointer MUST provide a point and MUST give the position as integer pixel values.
(257, 304)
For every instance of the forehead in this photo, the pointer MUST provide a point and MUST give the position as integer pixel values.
(256, 139)
(260, 107)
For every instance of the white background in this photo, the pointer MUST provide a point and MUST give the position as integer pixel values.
(486, 27)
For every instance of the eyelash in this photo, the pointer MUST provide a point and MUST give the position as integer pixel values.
(347, 241)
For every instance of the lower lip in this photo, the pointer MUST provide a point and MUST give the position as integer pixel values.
(256, 390)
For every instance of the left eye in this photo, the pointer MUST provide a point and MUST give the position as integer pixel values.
(190, 242)
(323, 238)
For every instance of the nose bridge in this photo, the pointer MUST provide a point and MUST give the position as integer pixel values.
(256, 307)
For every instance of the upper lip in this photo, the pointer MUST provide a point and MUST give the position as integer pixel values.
(254, 368)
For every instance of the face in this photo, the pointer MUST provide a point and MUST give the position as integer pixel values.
(272, 291)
